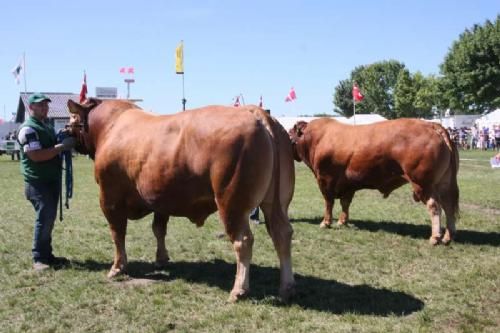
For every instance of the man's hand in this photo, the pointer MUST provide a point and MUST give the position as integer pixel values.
(66, 144)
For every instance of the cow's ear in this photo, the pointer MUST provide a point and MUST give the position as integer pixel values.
(300, 127)
(74, 107)
(82, 109)
(93, 102)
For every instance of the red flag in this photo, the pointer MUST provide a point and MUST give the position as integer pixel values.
(83, 92)
(356, 94)
(237, 102)
(291, 96)
(122, 70)
(130, 70)
(260, 103)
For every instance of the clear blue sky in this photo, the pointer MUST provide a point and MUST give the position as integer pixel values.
(259, 47)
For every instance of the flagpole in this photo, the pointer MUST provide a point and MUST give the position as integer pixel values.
(24, 67)
(183, 97)
(354, 113)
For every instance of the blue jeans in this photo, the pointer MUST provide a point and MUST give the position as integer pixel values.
(254, 214)
(44, 197)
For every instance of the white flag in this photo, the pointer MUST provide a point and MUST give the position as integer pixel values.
(16, 71)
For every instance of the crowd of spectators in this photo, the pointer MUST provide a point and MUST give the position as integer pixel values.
(485, 138)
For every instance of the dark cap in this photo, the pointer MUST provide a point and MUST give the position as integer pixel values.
(37, 98)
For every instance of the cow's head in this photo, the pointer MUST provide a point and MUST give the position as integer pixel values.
(296, 133)
(79, 123)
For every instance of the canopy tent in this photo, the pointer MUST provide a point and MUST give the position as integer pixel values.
(458, 121)
(490, 119)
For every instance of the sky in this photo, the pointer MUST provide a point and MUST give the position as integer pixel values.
(253, 48)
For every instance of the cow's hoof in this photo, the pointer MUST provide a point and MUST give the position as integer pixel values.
(237, 295)
(341, 224)
(287, 293)
(161, 263)
(325, 225)
(448, 237)
(115, 272)
(434, 241)
(446, 240)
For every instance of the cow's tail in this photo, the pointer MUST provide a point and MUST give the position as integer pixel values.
(453, 191)
(279, 137)
(278, 225)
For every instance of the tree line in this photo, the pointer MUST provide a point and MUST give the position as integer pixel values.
(469, 81)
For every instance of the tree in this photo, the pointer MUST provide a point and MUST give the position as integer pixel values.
(428, 95)
(376, 82)
(404, 95)
(471, 69)
(416, 95)
(341, 98)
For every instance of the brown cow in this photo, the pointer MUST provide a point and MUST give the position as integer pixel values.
(382, 156)
(191, 164)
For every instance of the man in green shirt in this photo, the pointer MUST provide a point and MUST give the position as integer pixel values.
(41, 169)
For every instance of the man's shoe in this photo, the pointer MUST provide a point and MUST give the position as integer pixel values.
(40, 266)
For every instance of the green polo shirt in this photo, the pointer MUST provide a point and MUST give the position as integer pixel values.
(45, 171)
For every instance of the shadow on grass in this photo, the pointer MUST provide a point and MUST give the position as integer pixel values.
(416, 231)
(90, 265)
(312, 293)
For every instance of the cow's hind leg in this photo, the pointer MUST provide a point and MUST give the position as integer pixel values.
(434, 209)
(327, 217)
(345, 202)
(279, 228)
(238, 231)
(160, 231)
(451, 215)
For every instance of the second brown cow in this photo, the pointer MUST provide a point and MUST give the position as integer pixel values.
(383, 156)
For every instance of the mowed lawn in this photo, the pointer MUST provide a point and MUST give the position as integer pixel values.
(378, 275)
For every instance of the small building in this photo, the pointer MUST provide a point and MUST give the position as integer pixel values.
(58, 111)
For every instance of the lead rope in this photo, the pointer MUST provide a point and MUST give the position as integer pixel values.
(67, 166)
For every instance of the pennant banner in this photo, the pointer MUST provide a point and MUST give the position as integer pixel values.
(179, 58)
(291, 96)
(356, 94)
(83, 92)
(16, 71)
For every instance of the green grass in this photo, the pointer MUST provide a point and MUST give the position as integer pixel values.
(377, 275)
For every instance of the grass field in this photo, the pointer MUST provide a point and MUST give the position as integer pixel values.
(378, 275)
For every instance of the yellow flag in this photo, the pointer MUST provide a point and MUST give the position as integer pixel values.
(179, 59)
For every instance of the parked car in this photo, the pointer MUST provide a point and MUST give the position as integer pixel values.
(10, 147)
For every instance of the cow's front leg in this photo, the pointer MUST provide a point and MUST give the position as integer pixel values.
(240, 235)
(118, 227)
(327, 217)
(325, 186)
(345, 202)
(160, 231)
(434, 209)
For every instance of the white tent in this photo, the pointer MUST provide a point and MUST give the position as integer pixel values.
(288, 122)
(365, 119)
(490, 119)
(459, 121)
(361, 119)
